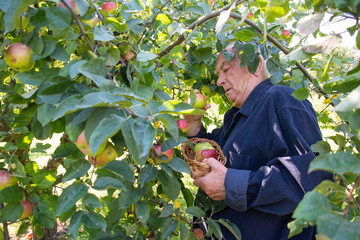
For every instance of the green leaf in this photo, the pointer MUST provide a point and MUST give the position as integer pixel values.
(11, 211)
(337, 228)
(121, 169)
(103, 183)
(147, 173)
(13, 9)
(95, 69)
(58, 17)
(309, 23)
(312, 206)
(195, 211)
(103, 33)
(170, 185)
(339, 163)
(179, 165)
(12, 194)
(94, 221)
(301, 94)
(76, 170)
(244, 35)
(75, 223)
(113, 56)
(64, 150)
(321, 147)
(138, 134)
(231, 227)
(170, 124)
(188, 196)
(44, 178)
(276, 9)
(214, 228)
(142, 211)
(106, 128)
(130, 196)
(103, 99)
(70, 196)
(202, 54)
(322, 44)
(169, 226)
(184, 232)
(167, 210)
(351, 102)
(145, 56)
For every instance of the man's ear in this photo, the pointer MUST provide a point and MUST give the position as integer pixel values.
(258, 71)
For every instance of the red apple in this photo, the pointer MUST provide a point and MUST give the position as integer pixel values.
(18, 57)
(199, 234)
(84, 147)
(28, 209)
(203, 146)
(92, 22)
(205, 153)
(183, 125)
(250, 16)
(6, 179)
(109, 154)
(285, 33)
(200, 101)
(109, 7)
(169, 153)
(210, 2)
(72, 3)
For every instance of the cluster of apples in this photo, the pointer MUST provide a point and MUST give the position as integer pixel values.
(105, 154)
(199, 103)
(8, 180)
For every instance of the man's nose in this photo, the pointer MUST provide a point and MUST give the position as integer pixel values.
(221, 80)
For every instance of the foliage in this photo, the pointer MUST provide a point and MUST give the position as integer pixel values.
(126, 81)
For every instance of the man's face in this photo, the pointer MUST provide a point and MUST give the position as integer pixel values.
(235, 80)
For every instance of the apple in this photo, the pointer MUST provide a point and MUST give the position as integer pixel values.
(169, 153)
(109, 7)
(205, 153)
(107, 155)
(130, 54)
(72, 3)
(203, 146)
(6, 179)
(210, 2)
(18, 57)
(207, 91)
(200, 101)
(198, 232)
(92, 22)
(84, 147)
(28, 209)
(285, 33)
(183, 125)
(250, 16)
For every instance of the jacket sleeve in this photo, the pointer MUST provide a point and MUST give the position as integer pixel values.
(278, 186)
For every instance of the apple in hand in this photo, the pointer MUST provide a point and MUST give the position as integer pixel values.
(107, 155)
(204, 150)
(203, 146)
(92, 22)
(200, 101)
(285, 33)
(18, 57)
(72, 3)
(169, 153)
(183, 125)
(6, 179)
(84, 147)
(28, 209)
(109, 7)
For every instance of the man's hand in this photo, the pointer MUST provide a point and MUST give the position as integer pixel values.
(213, 183)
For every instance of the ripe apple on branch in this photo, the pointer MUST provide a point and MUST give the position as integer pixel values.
(6, 179)
(107, 155)
(18, 57)
(160, 154)
(28, 208)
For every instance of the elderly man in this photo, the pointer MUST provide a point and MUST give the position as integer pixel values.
(266, 138)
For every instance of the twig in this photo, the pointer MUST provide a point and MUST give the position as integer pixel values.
(82, 30)
(97, 12)
(346, 210)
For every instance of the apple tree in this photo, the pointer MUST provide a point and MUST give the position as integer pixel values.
(119, 73)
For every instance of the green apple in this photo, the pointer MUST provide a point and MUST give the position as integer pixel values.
(107, 155)
(6, 179)
(200, 101)
(202, 146)
(92, 22)
(18, 57)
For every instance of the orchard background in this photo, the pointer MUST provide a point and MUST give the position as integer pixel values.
(125, 79)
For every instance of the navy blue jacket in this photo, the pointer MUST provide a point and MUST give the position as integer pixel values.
(267, 145)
